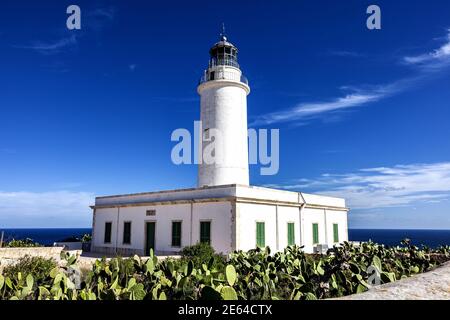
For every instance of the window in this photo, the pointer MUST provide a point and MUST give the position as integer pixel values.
(315, 233)
(127, 232)
(335, 232)
(260, 234)
(150, 213)
(176, 234)
(108, 227)
(206, 134)
(291, 233)
(205, 231)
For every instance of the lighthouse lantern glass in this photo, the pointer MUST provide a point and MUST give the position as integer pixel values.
(223, 54)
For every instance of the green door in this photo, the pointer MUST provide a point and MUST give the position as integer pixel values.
(335, 232)
(315, 233)
(291, 234)
(260, 235)
(205, 231)
(150, 237)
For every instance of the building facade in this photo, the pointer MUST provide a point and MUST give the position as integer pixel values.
(230, 217)
(224, 210)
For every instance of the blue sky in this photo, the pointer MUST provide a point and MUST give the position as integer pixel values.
(362, 114)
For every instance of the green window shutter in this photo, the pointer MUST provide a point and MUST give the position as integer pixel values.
(108, 227)
(291, 234)
(315, 233)
(335, 232)
(205, 231)
(260, 235)
(127, 232)
(176, 234)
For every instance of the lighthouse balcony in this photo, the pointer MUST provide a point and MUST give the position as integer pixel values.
(223, 75)
(223, 61)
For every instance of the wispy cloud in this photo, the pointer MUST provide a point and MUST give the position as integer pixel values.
(108, 13)
(92, 20)
(357, 98)
(132, 67)
(52, 47)
(436, 58)
(401, 185)
(430, 63)
(35, 207)
(97, 19)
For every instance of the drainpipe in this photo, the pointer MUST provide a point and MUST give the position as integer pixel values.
(277, 232)
(192, 216)
(302, 227)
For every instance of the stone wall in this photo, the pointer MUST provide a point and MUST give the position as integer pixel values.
(431, 285)
(11, 255)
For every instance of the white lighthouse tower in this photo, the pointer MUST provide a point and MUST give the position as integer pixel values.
(223, 90)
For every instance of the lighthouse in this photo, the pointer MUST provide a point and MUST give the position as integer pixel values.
(224, 211)
(223, 91)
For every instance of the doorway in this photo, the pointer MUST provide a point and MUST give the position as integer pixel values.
(149, 237)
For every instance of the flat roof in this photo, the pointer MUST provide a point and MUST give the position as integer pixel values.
(236, 191)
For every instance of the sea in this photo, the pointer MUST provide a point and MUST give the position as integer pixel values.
(390, 237)
(44, 236)
(393, 237)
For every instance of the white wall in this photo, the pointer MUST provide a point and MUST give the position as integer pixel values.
(286, 215)
(265, 194)
(247, 216)
(217, 212)
(310, 216)
(323, 200)
(248, 212)
(100, 218)
(339, 217)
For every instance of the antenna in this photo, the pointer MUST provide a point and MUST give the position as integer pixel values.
(223, 34)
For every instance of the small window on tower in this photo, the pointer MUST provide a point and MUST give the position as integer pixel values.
(150, 213)
(206, 134)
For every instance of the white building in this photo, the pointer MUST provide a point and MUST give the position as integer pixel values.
(224, 209)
